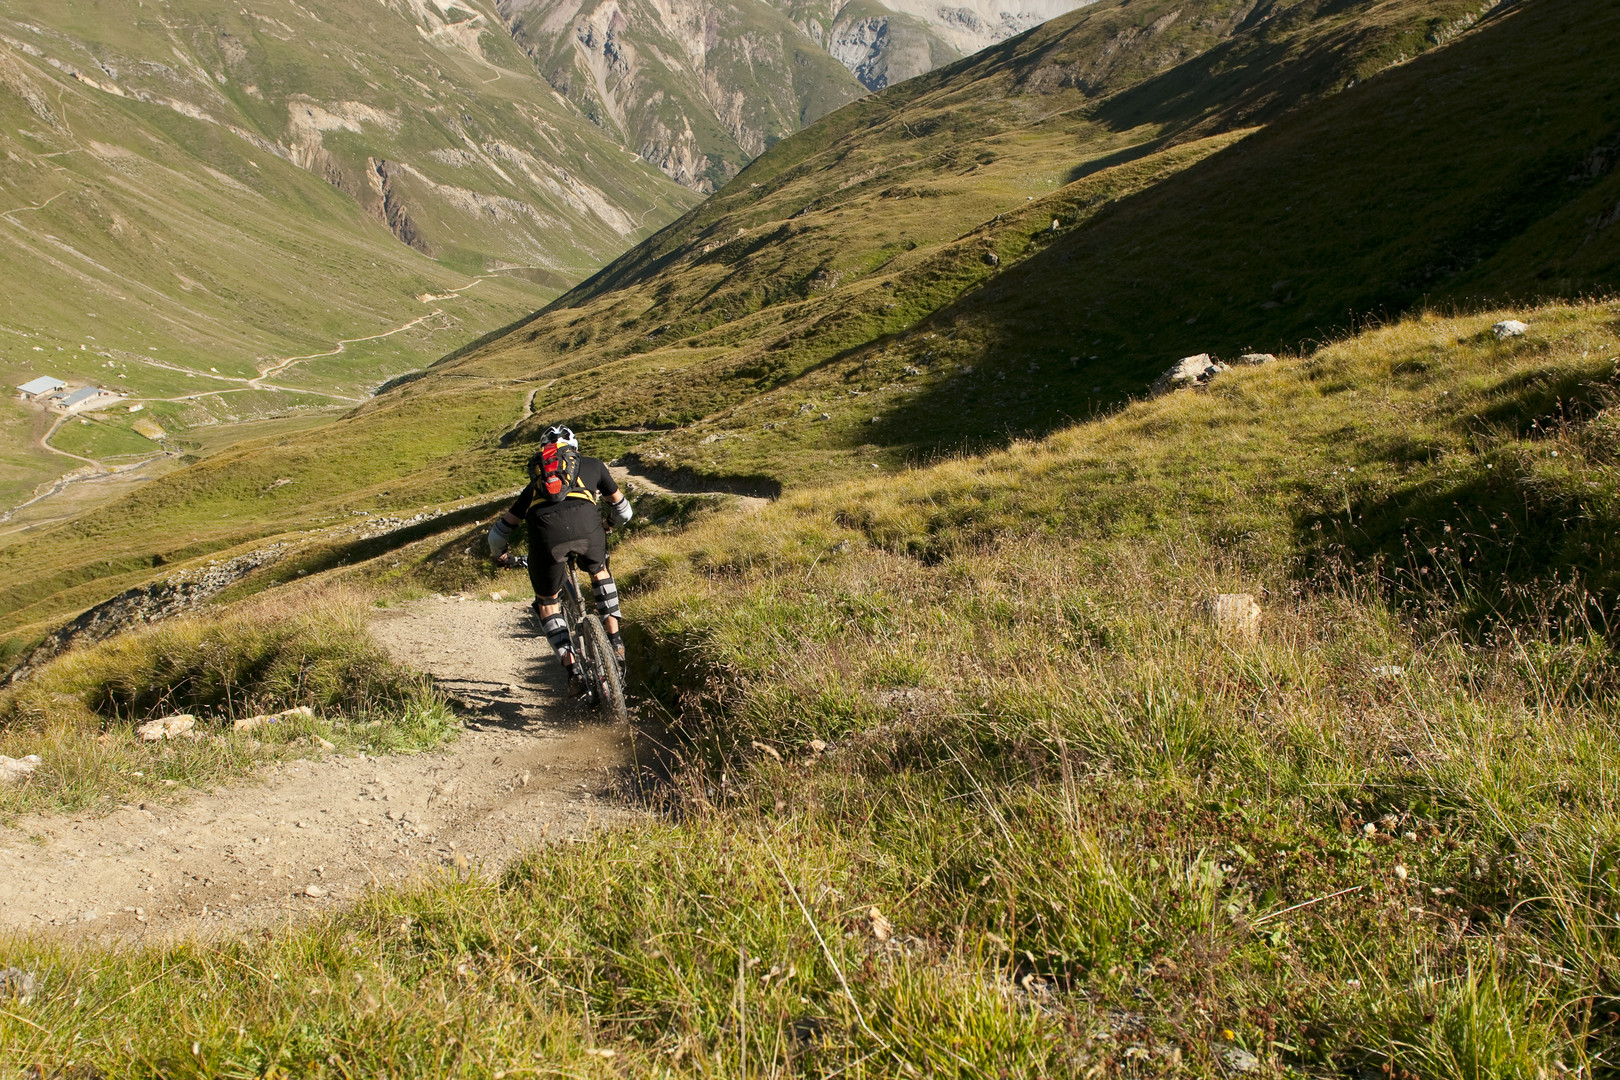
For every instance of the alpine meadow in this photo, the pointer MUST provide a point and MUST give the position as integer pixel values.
(1124, 577)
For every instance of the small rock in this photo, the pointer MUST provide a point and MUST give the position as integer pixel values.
(1188, 371)
(323, 744)
(1255, 359)
(248, 723)
(1509, 328)
(818, 746)
(166, 727)
(17, 983)
(992, 259)
(1235, 613)
(315, 891)
(497, 596)
(1239, 1060)
(16, 770)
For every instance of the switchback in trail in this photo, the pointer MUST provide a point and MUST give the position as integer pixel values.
(530, 768)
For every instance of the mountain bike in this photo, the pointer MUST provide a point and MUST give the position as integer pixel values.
(588, 639)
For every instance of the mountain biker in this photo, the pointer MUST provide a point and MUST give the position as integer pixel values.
(561, 523)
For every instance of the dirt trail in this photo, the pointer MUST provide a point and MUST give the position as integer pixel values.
(622, 476)
(530, 767)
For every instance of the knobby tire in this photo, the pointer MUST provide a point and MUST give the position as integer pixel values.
(595, 653)
(604, 668)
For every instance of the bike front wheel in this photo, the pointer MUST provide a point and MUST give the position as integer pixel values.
(607, 684)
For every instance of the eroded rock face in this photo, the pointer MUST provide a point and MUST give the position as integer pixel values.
(881, 50)
(698, 88)
(143, 604)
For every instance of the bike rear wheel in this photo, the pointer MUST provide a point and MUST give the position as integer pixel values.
(607, 685)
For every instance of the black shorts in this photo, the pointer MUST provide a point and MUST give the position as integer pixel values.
(575, 528)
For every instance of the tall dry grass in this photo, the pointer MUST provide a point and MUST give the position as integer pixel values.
(276, 652)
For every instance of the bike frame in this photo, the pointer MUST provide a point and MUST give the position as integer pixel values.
(587, 637)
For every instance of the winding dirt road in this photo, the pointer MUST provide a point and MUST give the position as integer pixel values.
(530, 768)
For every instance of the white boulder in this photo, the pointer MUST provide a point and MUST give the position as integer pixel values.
(1509, 328)
(1254, 359)
(16, 770)
(1235, 614)
(1188, 371)
(248, 723)
(166, 727)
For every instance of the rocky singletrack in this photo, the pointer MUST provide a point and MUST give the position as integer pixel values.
(310, 835)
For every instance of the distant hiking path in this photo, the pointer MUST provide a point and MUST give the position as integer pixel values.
(530, 767)
(272, 368)
(622, 475)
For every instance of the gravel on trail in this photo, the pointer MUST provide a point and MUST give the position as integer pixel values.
(531, 767)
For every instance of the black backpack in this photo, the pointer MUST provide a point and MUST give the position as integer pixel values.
(555, 473)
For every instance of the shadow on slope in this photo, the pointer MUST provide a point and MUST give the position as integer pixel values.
(1478, 174)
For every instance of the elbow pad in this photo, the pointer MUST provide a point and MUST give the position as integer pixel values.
(500, 536)
(622, 513)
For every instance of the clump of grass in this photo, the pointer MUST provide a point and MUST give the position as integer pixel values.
(275, 653)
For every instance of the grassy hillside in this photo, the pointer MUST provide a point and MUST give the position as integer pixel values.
(973, 786)
(1033, 234)
(887, 285)
(191, 196)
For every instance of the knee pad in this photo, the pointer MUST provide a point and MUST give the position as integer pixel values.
(607, 598)
(556, 630)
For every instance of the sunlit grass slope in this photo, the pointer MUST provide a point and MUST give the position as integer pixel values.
(1035, 233)
(972, 786)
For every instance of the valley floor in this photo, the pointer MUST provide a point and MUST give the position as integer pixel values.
(531, 767)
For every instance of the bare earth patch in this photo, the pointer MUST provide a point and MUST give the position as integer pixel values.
(530, 768)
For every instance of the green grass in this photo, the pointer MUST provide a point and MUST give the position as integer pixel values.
(969, 784)
(265, 656)
(846, 275)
